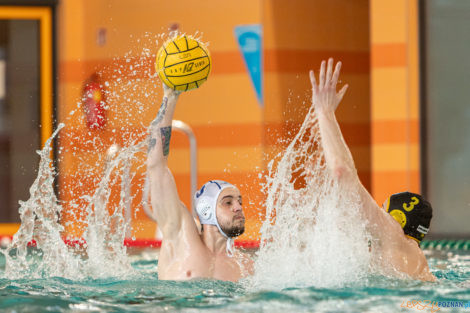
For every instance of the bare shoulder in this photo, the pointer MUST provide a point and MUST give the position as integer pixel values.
(403, 257)
(421, 267)
(392, 252)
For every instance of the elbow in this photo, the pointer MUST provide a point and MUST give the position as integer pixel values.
(155, 161)
(341, 171)
(152, 163)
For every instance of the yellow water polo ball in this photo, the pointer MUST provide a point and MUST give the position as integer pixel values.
(183, 63)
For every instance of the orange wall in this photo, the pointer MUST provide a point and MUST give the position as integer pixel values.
(223, 113)
(298, 36)
(375, 40)
(395, 97)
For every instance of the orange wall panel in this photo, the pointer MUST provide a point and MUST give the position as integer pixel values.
(394, 97)
(224, 112)
(375, 40)
(298, 36)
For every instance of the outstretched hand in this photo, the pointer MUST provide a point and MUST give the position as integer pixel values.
(170, 92)
(324, 95)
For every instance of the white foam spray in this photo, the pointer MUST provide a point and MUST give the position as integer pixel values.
(39, 216)
(313, 234)
(101, 253)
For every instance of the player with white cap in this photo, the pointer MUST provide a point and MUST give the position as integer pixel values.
(187, 253)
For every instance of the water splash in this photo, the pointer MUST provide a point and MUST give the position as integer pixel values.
(103, 253)
(312, 234)
(107, 226)
(94, 188)
(39, 216)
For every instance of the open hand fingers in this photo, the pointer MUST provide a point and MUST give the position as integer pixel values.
(168, 91)
(314, 82)
(341, 93)
(329, 71)
(334, 79)
(165, 87)
(324, 94)
(312, 78)
(322, 75)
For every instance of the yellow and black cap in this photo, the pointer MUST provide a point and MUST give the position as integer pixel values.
(412, 212)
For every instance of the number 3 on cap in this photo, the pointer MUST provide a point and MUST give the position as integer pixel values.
(412, 204)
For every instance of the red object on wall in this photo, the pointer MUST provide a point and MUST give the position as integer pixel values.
(94, 103)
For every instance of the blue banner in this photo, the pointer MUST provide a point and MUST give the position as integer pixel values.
(249, 41)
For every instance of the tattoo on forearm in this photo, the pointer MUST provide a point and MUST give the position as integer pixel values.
(165, 133)
(161, 112)
(152, 143)
(155, 122)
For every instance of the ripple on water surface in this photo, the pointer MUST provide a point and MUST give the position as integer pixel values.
(145, 293)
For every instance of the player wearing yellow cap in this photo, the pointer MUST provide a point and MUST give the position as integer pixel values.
(412, 212)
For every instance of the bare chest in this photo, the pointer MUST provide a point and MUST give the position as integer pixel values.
(199, 263)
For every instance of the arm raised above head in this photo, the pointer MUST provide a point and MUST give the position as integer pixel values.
(338, 157)
(170, 212)
(325, 100)
(395, 250)
(160, 131)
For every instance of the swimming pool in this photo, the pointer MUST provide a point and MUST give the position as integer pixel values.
(143, 292)
(111, 279)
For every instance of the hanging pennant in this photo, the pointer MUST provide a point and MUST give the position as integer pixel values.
(249, 42)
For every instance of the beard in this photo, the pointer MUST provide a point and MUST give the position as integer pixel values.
(235, 229)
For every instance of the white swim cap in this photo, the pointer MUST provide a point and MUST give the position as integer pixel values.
(205, 201)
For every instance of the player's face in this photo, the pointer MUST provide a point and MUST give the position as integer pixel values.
(230, 213)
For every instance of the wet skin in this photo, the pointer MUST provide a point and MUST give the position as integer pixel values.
(193, 255)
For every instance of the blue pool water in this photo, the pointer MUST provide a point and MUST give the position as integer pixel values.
(143, 292)
(112, 279)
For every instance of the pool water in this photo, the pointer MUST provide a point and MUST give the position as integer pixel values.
(329, 261)
(143, 292)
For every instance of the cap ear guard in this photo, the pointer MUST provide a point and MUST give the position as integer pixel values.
(203, 210)
(206, 202)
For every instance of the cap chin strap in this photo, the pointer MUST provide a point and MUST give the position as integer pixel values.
(206, 208)
(418, 241)
(230, 241)
(229, 247)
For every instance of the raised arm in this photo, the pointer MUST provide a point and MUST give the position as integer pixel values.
(392, 248)
(325, 100)
(169, 210)
(338, 158)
